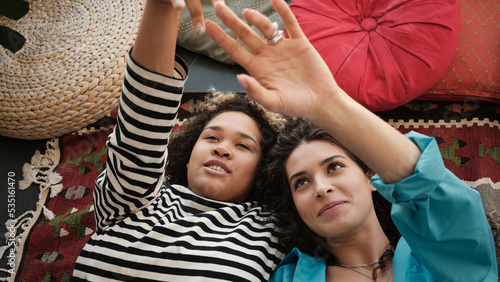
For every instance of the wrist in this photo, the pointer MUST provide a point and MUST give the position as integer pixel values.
(332, 111)
(154, 47)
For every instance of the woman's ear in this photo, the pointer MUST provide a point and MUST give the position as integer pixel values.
(369, 175)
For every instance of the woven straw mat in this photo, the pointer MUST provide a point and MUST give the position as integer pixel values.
(70, 71)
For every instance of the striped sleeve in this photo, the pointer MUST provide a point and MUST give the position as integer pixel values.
(137, 148)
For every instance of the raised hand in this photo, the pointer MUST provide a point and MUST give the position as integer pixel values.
(289, 77)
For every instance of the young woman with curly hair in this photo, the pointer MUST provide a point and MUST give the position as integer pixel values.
(203, 224)
(181, 145)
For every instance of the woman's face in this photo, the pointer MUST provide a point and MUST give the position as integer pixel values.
(224, 160)
(331, 192)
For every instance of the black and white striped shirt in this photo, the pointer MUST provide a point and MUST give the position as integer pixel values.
(149, 232)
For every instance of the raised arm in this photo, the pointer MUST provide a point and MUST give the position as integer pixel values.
(151, 95)
(154, 48)
(292, 78)
(150, 98)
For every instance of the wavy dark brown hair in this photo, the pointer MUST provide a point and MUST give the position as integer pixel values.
(276, 196)
(182, 141)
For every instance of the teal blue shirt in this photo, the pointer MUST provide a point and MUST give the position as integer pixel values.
(445, 233)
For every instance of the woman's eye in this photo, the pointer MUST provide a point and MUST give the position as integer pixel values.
(243, 146)
(333, 167)
(211, 138)
(301, 182)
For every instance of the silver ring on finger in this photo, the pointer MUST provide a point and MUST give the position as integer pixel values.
(276, 36)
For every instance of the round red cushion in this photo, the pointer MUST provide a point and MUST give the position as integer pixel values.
(383, 53)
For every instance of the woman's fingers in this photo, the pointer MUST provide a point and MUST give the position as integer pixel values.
(178, 4)
(261, 22)
(259, 93)
(196, 12)
(232, 48)
(291, 25)
(240, 29)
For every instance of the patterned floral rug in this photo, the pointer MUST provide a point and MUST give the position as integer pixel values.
(49, 239)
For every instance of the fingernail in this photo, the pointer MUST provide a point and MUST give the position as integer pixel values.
(199, 29)
(242, 81)
(218, 1)
(178, 3)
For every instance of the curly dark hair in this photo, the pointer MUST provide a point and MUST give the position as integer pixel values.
(276, 196)
(182, 142)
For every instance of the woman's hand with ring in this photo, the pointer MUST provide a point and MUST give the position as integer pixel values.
(276, 36)
(290, 76)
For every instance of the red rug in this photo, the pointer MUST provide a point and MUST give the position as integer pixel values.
(53, 245)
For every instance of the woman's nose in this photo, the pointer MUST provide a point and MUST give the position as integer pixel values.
(221, 151)
(323, 188)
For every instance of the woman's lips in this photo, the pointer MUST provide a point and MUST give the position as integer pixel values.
(218, 166)
(331, 207)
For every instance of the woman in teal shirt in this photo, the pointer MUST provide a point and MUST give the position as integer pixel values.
(445, 234)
